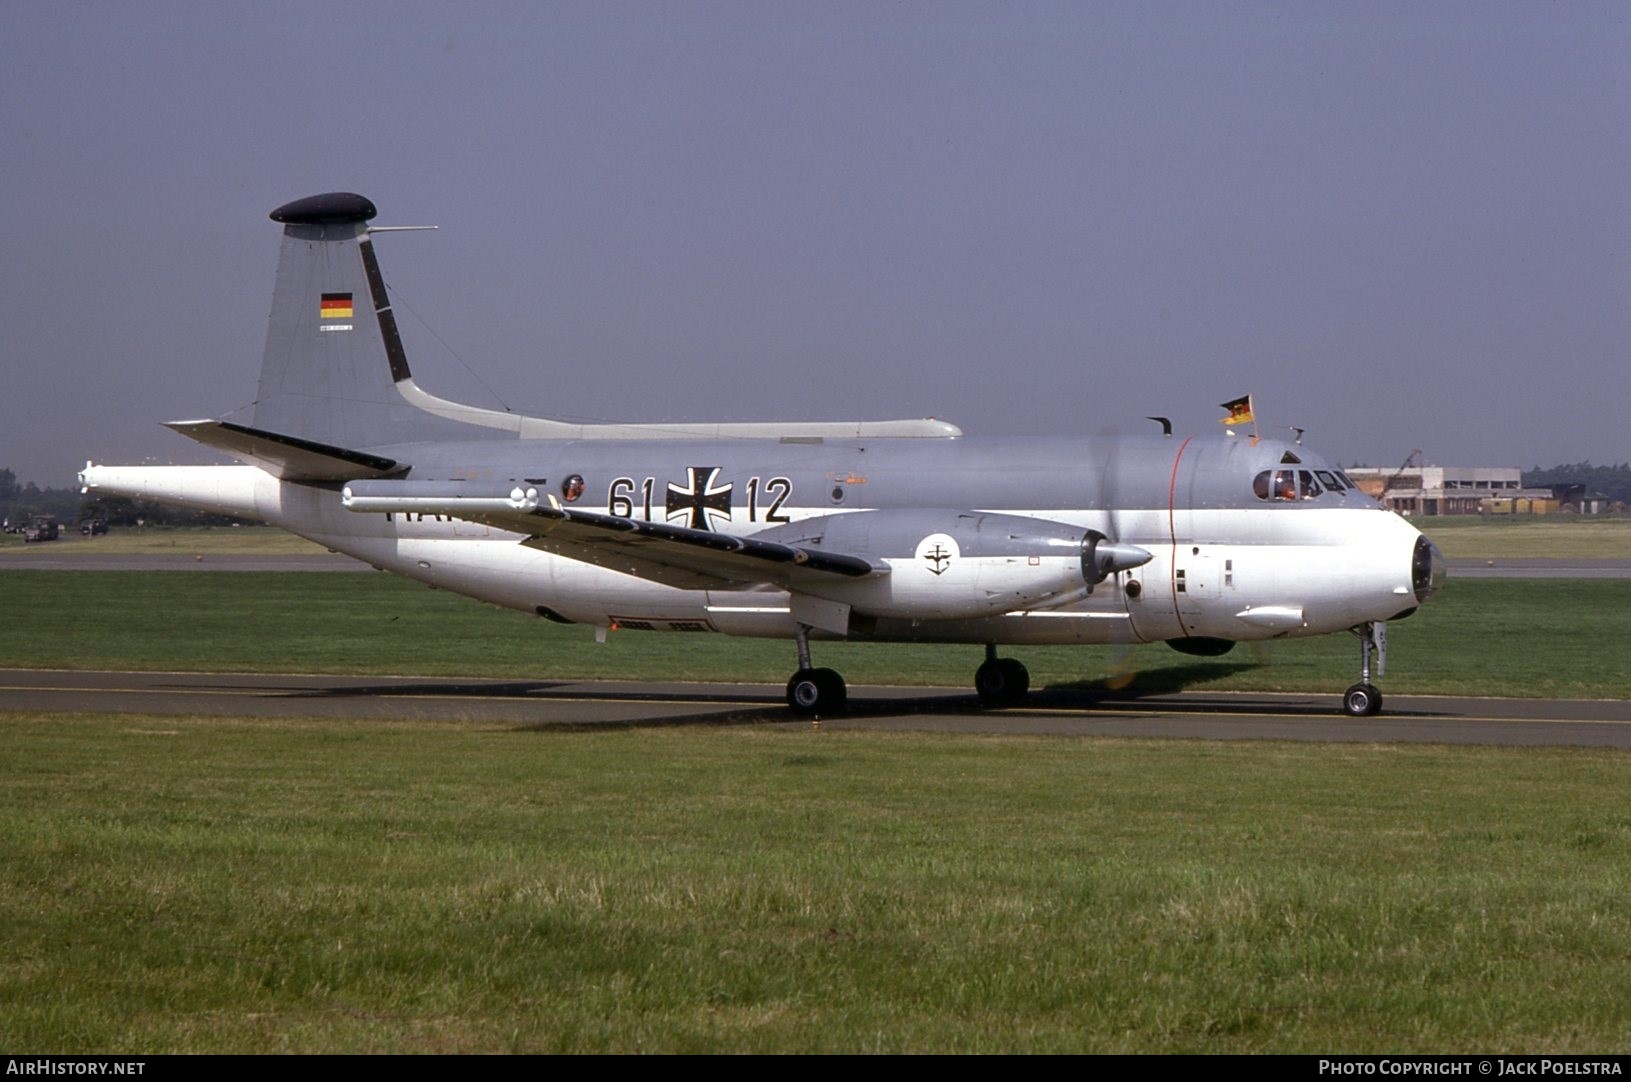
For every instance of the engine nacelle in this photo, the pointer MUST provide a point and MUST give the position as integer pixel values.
(950, 565)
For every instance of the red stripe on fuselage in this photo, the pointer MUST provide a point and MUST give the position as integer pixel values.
(1172, 534)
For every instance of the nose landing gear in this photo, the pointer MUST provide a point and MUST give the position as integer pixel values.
(1363, 700)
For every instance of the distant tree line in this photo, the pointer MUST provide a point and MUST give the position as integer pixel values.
(70, 507)
(1611, 481)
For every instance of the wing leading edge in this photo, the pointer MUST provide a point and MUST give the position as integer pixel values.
(672, 555)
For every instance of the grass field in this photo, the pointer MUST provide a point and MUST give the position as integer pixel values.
(1517, 536)
(226, 885)
(1548, 638)
(218, 885)
(161, 541)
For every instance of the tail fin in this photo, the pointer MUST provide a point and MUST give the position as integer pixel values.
(334, 378)
(334, 370)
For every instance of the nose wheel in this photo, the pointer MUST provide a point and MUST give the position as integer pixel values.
(1000, 681)
(1363, 700)
(813, 691)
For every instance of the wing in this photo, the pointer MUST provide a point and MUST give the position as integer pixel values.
(672, 555)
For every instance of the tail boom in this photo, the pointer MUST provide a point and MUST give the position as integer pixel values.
(244, 491)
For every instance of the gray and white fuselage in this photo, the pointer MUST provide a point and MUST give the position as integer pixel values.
(870, 530)
(1223, 564)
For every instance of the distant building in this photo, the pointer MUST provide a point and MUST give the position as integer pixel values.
(1451, 490)
(1574, 497)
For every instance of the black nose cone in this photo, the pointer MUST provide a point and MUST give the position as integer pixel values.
(1426, 569)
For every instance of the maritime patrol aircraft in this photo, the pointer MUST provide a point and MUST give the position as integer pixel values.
(866, 530)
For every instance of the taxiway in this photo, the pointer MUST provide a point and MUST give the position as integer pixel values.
(576, 704)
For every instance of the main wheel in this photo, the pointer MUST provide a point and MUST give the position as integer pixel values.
(1000, 681)
(817, 691)
(1361, 701)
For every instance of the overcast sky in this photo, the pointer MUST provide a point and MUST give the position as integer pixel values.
(1398, 226)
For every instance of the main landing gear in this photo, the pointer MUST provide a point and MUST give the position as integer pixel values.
(814, 691)
(1363, 700)
(1000, 681)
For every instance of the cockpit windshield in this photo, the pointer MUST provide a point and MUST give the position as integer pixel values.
(1285, 485)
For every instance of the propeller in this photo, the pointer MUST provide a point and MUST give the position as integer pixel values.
(1124, 656)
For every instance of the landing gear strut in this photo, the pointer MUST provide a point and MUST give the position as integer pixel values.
(814, 691)
(1000, 681)
(1363, 700)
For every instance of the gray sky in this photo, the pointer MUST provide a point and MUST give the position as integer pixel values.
(1399, 226)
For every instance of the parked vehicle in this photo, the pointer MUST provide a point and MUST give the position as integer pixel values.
(40, 528)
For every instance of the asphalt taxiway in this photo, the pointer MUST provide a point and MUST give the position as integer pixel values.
(560, 705)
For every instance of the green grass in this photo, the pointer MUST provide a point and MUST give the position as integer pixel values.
(1550, 638)
(165, 541)
(1572, 537)
(199, 885)
(208, 885)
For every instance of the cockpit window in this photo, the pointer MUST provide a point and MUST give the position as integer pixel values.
(1287, 485)
(1278, 484)
(1288, 457)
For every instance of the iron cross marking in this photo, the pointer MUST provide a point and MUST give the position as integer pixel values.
(699, 499)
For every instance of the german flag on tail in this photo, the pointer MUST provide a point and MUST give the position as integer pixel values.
(335, 306)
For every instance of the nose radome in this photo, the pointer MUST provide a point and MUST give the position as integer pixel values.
(1427, 569)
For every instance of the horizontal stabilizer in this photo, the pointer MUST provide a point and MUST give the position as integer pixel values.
(673, 555)
(287, 457)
